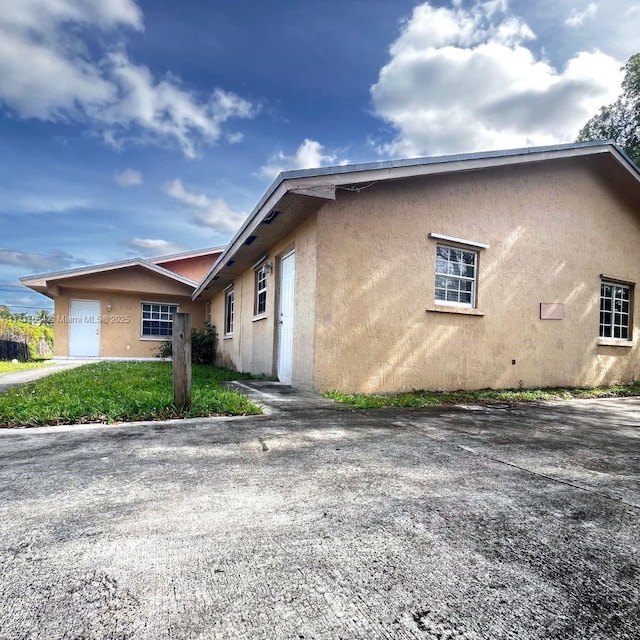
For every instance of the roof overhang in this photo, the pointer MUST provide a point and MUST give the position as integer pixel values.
(295, 194)
(44, 282)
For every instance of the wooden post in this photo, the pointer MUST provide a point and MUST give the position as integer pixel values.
(181, 352)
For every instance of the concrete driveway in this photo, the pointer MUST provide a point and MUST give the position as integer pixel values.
(316, 522)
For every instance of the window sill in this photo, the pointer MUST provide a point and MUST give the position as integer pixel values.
(465, 311)
(228, 336)
(612, 342)
(155, 338)
(262, 316)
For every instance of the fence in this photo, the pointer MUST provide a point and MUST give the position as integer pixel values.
(11, 349)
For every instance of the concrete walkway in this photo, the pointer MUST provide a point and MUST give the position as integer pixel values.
(9, 380)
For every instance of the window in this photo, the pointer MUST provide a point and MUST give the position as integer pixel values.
(615, 302)
(157, 319)
(260, 304)
(228, 312)
(456, 272)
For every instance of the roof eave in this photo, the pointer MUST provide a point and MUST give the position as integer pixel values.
(394, 169)
(269, 200)
(43, 279)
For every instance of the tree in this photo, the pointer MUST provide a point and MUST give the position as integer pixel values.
(43, 318)
(5, 312)
(620, 121)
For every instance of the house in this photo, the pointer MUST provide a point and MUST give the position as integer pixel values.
(123, 309)
(502, 269)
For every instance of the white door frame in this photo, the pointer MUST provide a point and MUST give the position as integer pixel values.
(286, 307)
(84, 329)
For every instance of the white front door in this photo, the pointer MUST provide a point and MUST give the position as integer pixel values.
(84, 328)
(285, 317)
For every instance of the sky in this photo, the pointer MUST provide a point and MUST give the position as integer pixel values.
(149, 127)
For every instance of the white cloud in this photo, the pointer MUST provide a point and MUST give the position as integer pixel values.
(463, 80)
(578, 18)
(214, 213)
(48, 72)
(37, 203)
(310, 154)
(58, 260)
(128, 178)
(235, 137)
(39, 14)
(153, 246)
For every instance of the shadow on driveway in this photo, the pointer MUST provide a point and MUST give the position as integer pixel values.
(318, 522)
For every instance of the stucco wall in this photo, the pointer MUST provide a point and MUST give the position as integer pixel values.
(552, 228)
(132, 279)
(192, 268)
(120, 334)
(254, 342)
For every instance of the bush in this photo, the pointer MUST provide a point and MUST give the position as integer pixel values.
(37, 341)
(203, 345)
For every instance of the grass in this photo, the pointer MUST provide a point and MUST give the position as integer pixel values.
(10, 367)
(482, 396)
(120, 391)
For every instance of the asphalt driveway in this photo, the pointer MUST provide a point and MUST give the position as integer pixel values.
(315, 522)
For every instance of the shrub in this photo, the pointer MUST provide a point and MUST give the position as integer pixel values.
(203, 345)
(37, 341)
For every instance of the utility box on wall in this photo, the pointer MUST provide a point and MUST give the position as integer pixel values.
(551, 311)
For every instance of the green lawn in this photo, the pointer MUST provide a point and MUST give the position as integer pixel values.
(120, 391)
(9, 367)
(482, 396)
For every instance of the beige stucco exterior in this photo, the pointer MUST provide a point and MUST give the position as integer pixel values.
(366, 318)
(120, 332)
(552, 229)
(253, 345)
(120, 288)
(120, 293)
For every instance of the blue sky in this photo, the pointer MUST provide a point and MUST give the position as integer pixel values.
(151, 127)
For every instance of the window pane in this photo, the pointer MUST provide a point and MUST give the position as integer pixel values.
(228, 318)
(157, 319)
(614, 311)
(455, 275)
(441, 266)
(468, 271)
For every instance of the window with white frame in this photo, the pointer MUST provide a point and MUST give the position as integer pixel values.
(157, 319)
(228, 312)
(615, 311)
(260, 303)
(456, 276)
